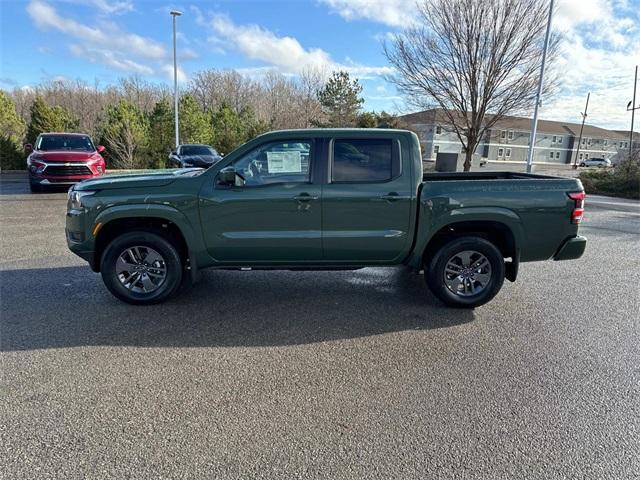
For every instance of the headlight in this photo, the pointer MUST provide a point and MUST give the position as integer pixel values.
(75, 198)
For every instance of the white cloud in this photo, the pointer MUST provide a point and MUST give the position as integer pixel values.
(286, 54)
(601, 45)
(107, 57)
(115, 7)
(598, 54)
(106, 35)
(168, 71)
(394, 13)
(107, 7)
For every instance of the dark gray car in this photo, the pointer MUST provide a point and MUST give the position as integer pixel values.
(193, 155)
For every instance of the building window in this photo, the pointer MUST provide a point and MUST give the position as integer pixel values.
(436, 149)
(508, 154)
(560, 139)
(510, 134)
(584, 140)
(606, 142)
(589, 140)
(503, 134)
(551, 155)
(557, 155)
(586, 156)
(554, 139)
(438, 130)
(580, 157)
(500, 152)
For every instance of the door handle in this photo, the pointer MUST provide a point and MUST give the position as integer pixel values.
(393, 196)
(305, 197)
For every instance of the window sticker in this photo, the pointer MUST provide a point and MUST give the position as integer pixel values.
(284, 162)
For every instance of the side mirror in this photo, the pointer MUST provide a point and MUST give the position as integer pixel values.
(28, 148)
(100, 149)
(229, 176)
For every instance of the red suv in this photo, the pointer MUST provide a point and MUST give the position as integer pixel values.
(63, 159)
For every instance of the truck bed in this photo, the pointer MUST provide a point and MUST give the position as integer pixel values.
(440, 176)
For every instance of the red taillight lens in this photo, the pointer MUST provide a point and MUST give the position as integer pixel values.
(578, 210)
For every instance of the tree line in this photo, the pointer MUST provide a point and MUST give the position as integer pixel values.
(134, 119)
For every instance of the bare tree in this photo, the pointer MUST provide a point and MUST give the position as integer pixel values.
(309, 85)
(476, 60)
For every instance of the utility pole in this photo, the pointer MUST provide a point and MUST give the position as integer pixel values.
(534, 123)
(174, 14)
(584, 117)
(633, 109)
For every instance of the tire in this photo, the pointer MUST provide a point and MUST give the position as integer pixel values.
(583, 164)
(34, 187)
(144, 256)
(480, 286)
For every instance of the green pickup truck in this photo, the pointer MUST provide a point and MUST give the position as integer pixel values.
(323, 199)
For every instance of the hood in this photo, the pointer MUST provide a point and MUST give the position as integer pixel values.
(65, 156)
(200, 159)
(146, 179)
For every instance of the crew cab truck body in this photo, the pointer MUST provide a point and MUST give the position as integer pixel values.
(323, 199)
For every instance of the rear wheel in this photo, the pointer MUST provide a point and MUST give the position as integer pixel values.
(141, 268)
(466, 272)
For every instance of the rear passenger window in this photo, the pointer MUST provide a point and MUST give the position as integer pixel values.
(362, 160)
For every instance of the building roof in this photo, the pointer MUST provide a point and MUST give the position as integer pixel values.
(523, 124)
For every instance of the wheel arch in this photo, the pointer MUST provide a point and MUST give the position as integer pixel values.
(499, 233)
(164, 220)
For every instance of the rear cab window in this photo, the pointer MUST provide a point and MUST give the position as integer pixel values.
(364, 160)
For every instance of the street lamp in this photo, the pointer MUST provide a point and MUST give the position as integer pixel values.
(631, 106)
(174, 14)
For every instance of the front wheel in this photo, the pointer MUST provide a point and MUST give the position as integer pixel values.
(141, 268)
(466, 272)
(583, 164)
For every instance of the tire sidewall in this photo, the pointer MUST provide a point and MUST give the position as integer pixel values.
(147, 239)
(434, 273)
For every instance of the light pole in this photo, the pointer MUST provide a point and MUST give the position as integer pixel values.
(632, 106)
(534, 123)
(174, 14)
(584, 117)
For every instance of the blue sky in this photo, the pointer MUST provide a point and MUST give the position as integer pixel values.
(106, 39)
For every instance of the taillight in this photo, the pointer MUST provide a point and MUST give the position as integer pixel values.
(578, 209)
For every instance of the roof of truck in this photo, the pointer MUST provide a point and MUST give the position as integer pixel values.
(332, 131)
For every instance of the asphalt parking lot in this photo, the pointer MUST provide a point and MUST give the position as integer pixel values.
(359, 375)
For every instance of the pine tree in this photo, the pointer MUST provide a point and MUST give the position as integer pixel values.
(195, 123)
(48, 119)
(124, 132)
(161, 133)
(11, 134)
(341, 101)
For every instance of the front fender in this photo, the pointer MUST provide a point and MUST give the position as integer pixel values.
(194, 242)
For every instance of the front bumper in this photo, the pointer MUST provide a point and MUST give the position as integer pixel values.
(572, 248)
(79, 239)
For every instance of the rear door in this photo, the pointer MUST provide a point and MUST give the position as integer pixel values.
(275, 217)
(367, 201)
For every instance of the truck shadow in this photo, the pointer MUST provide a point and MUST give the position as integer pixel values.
(70, 307)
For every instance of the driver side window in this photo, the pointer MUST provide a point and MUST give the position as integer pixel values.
(276, 162)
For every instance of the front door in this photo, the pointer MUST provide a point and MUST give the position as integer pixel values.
(367, 202)
(275, 216)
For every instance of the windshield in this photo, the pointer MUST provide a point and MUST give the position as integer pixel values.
(80, 143)
(197, 150)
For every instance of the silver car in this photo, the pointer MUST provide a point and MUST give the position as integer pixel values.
(595, 162)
